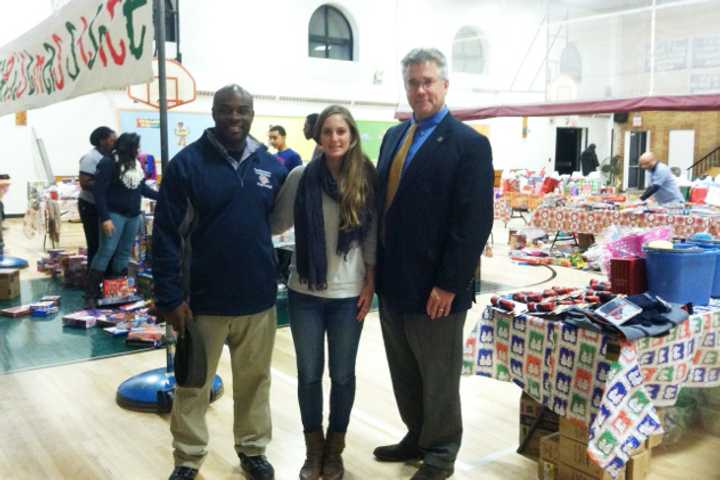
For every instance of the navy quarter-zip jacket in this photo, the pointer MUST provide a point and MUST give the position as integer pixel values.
(211, 236)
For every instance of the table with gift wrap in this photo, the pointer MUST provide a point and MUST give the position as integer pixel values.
(569, 371)
(574, 220)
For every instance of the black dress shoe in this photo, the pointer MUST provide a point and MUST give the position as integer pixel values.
(183, 473)
(399, 452)
(428, 472)
(256, 467)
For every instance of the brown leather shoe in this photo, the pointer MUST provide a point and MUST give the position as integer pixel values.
(333, 468)
(314, 447)
(428, 472)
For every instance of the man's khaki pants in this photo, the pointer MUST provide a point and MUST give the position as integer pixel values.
(250, 339)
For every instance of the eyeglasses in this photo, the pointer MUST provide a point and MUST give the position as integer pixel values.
(426, 83)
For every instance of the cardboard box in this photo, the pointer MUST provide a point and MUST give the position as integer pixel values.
(638, 466)
(573, 430)
(532, 447)
(566, 472)
(549, 453)
(9, 284)
(575, 454)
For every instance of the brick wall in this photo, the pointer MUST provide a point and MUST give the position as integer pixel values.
(659, 124)
(705, 124)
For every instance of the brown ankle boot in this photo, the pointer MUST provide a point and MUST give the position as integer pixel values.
(314, 446)
(332, 459)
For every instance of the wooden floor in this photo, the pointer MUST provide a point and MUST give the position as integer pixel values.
(63, 423)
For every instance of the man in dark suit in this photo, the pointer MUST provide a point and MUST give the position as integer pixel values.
(436, 203)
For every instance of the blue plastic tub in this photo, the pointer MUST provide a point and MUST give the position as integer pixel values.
(711, 245)
(684, 274)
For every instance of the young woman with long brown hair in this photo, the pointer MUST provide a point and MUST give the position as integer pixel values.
(331, 203)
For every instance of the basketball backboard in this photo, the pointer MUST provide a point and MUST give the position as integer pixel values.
(180, 87)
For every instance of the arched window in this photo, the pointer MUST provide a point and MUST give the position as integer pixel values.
(571, 62)
(468, 53)
(330, 35)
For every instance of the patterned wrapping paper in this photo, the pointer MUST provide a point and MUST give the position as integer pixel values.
(502, 209)
(566, 369)
(595, 221)
(687, 357)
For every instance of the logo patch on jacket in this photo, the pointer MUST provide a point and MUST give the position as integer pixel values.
(264, 178)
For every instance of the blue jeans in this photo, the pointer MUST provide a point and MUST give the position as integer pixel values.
(118, 244)
(310, 318)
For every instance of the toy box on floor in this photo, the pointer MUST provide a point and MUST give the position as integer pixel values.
(16, 312)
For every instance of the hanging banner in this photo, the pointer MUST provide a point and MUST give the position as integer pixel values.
(86, 47)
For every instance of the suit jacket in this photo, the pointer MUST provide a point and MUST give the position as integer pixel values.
(440, 219)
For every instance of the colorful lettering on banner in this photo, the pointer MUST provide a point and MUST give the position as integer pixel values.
(81, 49)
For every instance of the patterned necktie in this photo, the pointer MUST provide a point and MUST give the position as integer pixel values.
(397, 166)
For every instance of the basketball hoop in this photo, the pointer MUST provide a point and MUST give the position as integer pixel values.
(180, 87)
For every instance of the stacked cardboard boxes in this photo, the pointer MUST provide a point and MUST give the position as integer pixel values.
(563, 456)
(9, 284)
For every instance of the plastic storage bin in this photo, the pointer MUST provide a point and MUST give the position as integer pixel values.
(711, 245)
(684, 274)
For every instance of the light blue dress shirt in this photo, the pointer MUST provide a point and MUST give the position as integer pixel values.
(424, 129)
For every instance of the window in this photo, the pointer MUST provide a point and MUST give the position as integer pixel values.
(571, 62)
(468, 53)
(330, 35)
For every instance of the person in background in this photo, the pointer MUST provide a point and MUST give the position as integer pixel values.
(213, 265)
(288, 157)
(309, 132)
(331, 204)
(103, 140)
(588, 160)
(435, 199)
(663, 185)
(119, 184)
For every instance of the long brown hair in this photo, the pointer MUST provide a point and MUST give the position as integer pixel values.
(356, 182)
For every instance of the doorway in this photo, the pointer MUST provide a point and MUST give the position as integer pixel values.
(568, 147)
(681, 151)
(636, 143)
